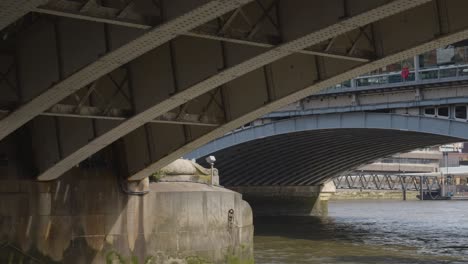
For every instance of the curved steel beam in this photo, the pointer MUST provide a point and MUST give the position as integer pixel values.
(421, 124)
(289, 150)
(350, 164)
(299, 158)
(344, 162)
(340, 162)
(223, 77)
(306, 91)
(113, 60)
(309, 150)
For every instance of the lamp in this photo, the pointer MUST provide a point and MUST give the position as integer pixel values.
(211, 160)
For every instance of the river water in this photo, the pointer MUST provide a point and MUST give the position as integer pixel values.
(368, 232)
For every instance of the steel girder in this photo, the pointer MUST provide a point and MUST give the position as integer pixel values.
(355, 22)
(442, 35)
(72, 10)
(387, 44)
(148, 41)
(117, 114)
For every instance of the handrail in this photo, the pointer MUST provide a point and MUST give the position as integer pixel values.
(460, 72)
(381, 80)
(454, 66)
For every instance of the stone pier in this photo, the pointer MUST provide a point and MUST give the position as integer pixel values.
(86, 217)
(287, 200)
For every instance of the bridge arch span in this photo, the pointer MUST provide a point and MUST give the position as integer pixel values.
(309, 150)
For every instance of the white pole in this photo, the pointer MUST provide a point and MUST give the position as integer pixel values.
(212, 173)
(416, 68)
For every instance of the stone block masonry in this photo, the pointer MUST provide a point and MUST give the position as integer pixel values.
(85, 218)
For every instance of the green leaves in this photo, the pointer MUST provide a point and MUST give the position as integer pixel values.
(113, 256)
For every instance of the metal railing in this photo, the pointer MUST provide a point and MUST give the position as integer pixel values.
(391, 79)
(457, 191)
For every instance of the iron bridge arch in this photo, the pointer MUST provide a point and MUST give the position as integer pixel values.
(309, 150)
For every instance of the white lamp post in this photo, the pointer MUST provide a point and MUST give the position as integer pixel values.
(211, 160)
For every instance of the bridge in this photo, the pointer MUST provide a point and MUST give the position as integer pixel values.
(310, 150)
(105, 92)
(436, 87)
(96, 92)
(437, 92)
(388, 182)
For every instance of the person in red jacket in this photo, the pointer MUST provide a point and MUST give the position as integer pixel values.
(404, 73)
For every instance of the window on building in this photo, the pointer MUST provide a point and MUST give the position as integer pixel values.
(443, 111)
(429, 111)
(460, 112)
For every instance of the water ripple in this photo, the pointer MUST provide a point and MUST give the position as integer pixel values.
(369, 232)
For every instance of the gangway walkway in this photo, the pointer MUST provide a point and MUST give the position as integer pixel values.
(387, 182)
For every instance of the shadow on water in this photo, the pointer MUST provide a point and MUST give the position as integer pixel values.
(390, 259)
(304, 227)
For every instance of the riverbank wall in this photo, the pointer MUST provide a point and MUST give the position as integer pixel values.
(356, 194)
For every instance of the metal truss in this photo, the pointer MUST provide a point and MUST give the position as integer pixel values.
(363, 32)
(115, 59)
(354, 23)
(225, 76)
(91, 103)
(101, 101)
(387, 182)
(223, 31)
(306, 91)
(275, 54)
(92, 10)
(91, 112)
(184, 99)
(252, 28)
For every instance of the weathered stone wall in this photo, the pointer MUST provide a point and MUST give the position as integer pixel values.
(85, 218)
(285, 200)
(373, 195)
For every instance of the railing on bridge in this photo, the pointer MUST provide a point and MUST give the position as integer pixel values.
(455, 109)
(430, 187)
(417, 76)
(387, 182)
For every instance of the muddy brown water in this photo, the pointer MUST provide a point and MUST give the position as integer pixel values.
(426, 232)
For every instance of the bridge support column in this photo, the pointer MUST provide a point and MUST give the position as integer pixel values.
(287, 200)
(85, 218)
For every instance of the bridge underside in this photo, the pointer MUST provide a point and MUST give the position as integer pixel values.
(312, 157)
(159, 80)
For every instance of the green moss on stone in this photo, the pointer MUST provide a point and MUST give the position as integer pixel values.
(157, 176)
(113, 256)
(196, 260)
